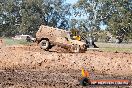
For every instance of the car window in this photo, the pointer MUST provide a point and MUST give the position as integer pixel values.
(66, 39)
(23, 37)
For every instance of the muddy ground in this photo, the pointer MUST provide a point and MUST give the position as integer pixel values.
(27, 66)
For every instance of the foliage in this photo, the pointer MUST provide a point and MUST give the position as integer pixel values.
(88, 9)
(25, 16)
(117, 14)
(9, 41)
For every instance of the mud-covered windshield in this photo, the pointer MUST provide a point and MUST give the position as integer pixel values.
(69, 35)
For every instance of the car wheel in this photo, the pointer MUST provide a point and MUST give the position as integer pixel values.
(76, 48)
(44, 44)
(28, 39)
(118, 40)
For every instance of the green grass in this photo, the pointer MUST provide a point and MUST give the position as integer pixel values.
(10, 41)
(112, 47)
(109, 47)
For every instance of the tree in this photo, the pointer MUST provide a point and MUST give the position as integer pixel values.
(117, 14)
(8, 17)
(88, 9)
(25, 16)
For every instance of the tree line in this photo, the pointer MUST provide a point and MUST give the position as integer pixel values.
(25, 16)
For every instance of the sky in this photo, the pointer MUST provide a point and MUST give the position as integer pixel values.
(71, 1)
(73, 17)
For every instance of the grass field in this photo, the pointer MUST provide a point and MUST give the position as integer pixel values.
(113, 47)
(110, 47)
(10, 41)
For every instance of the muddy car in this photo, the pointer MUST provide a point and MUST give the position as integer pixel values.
(47, 37)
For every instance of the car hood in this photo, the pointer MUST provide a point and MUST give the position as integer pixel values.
(77, 42)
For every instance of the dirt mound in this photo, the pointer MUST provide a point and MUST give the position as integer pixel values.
(29, 66)
(51, 33)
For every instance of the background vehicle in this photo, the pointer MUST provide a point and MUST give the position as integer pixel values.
(117, 39)
(28, 38)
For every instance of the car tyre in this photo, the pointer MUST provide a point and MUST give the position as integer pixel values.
(76, 48)
(44, 44)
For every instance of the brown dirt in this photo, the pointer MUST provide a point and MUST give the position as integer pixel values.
(1, 43)
(30, 67)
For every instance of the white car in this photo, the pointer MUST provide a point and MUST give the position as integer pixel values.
(28, 38)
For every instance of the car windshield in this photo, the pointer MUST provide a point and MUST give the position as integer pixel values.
(69, 35)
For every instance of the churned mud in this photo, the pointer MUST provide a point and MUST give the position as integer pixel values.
(27, 66)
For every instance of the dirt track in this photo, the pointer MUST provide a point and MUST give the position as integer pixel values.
(28, 66)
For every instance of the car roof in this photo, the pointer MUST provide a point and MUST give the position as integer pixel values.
(23, 35)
